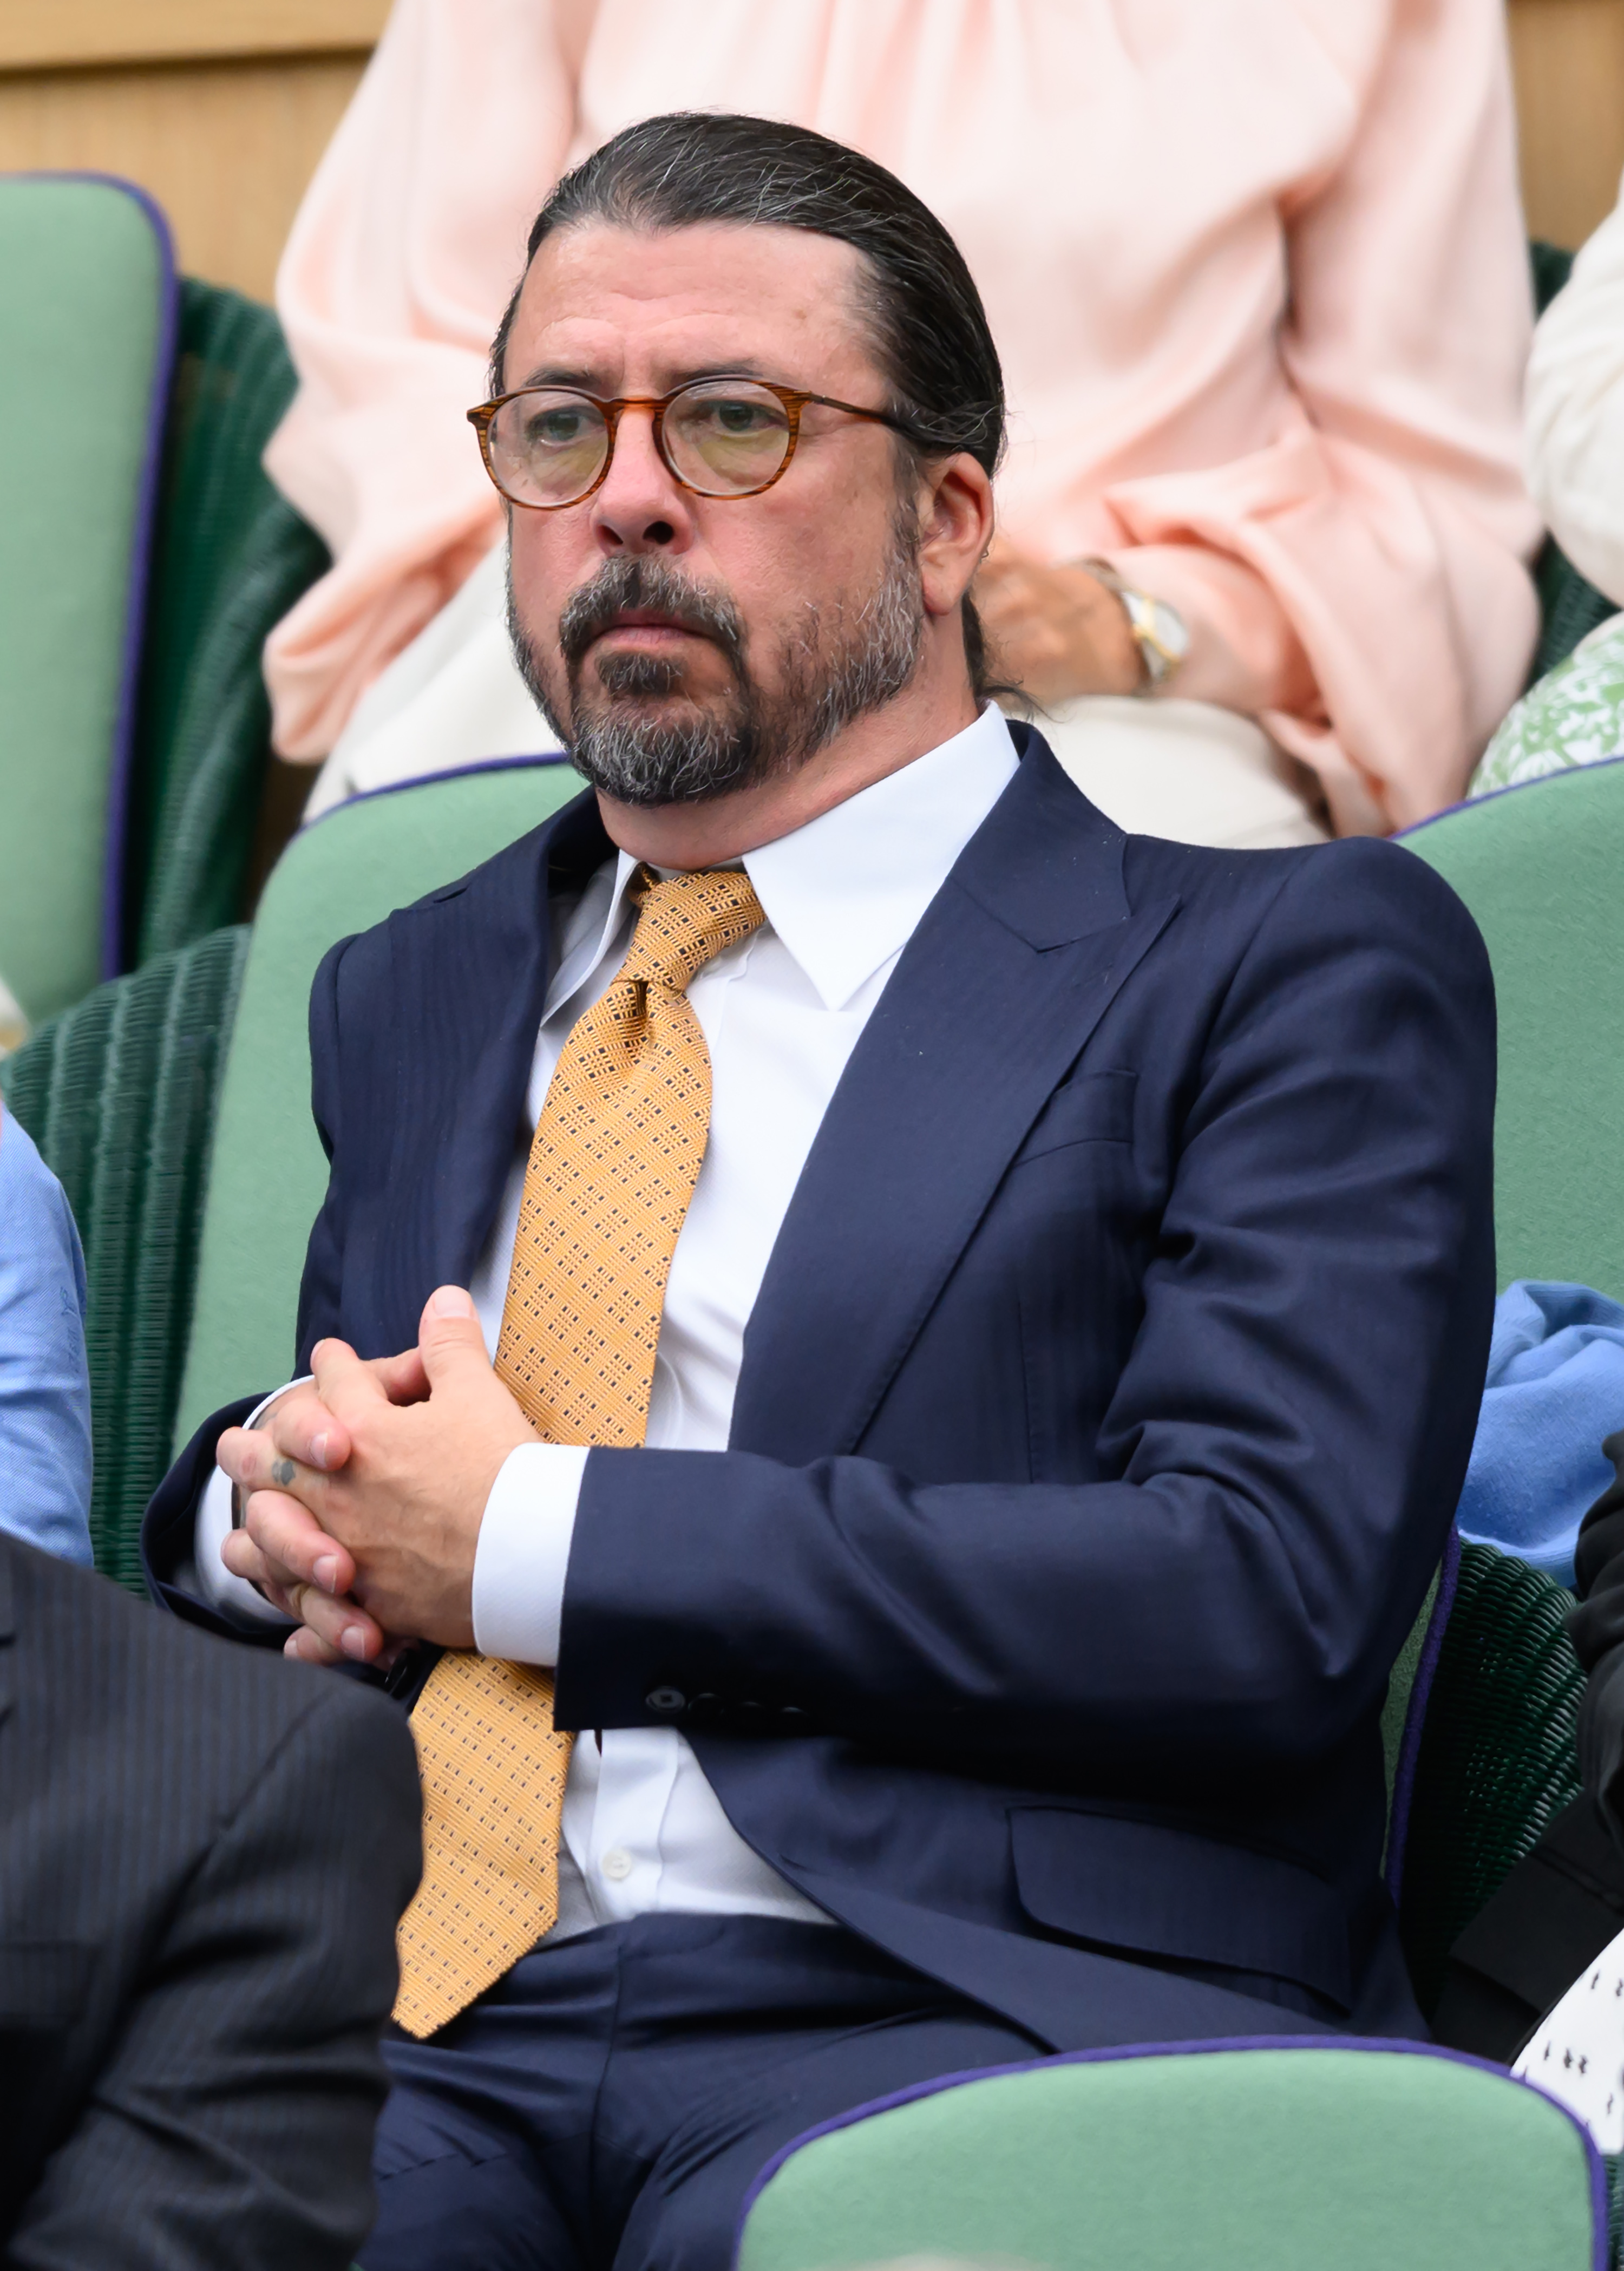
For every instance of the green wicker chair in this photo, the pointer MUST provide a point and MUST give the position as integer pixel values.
(231, 558)
(79, 258)
(1539, 866)
(340, 875)
(1273, 2156)
(119, 1093)
(122, 1092)
(144, 568)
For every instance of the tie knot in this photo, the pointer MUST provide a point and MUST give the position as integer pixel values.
(684, 923)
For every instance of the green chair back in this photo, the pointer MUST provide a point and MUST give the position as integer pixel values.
(88, 289)
(231, 558)
(1539, 867)
(119, 1093)
(1270, 2158)
(341, 875)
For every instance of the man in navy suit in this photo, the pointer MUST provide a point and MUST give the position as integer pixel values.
(1070, 1352)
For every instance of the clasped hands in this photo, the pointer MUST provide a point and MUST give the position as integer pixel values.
(365, 1487)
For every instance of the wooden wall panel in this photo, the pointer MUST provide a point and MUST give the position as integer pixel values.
(1568, 60)
(226, 148)
(222, 108)
(42, 34)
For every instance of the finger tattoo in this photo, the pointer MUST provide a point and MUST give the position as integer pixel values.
(282, 1472)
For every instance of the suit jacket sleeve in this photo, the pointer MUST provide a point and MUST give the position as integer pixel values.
(1285, 1446)
(321, 1288)
(246, 2082)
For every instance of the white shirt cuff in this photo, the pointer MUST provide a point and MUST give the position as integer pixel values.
(524, 1551)
(232, 1597)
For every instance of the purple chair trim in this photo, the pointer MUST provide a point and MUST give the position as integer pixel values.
(1513, 788)
(1593, 2162)
(1415, 1715)
(122, 756)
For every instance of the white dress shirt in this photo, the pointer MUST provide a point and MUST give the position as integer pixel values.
(781, 1013)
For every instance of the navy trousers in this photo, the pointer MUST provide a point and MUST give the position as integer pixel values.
(610, 2102)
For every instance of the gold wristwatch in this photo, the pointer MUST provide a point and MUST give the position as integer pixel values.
(1158, 630)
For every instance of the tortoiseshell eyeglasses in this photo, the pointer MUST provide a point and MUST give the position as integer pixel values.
(546, 447)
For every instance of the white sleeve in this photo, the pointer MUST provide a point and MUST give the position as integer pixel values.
(231, 1596)
(1574, 2054)
(1575, 410)
(523, 1552)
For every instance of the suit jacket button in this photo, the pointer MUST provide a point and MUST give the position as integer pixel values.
(666, 1699)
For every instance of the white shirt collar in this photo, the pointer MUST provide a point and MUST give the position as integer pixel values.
(846, 893)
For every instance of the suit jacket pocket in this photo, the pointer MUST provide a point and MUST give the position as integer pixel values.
(1164, 1891)
(1092, 1108)
(44, 1983)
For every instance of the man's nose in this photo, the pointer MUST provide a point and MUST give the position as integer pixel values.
(640, 506)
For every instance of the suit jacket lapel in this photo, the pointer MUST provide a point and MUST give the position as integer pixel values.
(1016, 961)
(477, 957)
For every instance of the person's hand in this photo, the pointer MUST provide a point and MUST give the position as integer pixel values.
(305, 1432)
(365, 1492)
(1060, 631)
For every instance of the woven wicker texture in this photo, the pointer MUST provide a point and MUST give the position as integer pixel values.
(119, 1093)
(231, 559)
(1497, 1759)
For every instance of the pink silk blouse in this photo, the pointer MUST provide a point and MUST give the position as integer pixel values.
(1255, 269)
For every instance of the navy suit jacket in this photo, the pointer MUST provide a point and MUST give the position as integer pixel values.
(1101, 1416)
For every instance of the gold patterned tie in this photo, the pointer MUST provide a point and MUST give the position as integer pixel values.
(612, 1169)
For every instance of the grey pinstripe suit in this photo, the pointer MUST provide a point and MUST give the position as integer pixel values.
(203, 1855)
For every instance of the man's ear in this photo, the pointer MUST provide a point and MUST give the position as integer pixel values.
(956, 527)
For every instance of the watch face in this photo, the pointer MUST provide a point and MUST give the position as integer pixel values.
(1168, 628)
(1162, 636)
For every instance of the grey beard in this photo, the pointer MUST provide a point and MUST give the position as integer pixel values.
(749, 736)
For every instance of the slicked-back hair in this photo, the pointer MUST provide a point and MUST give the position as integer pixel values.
(928, 330)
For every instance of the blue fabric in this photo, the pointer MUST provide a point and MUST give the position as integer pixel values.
(1100, 1419)
(44, 1380)
(613, 2097)
(1555, 1387)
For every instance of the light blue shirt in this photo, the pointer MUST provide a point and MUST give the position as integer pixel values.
(44, 1378)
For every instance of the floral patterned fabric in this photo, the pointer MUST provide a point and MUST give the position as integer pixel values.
(1572, 716)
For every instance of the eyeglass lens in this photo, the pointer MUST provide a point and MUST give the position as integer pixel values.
(722, 437)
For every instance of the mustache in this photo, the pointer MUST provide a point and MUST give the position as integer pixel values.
(624, 584)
